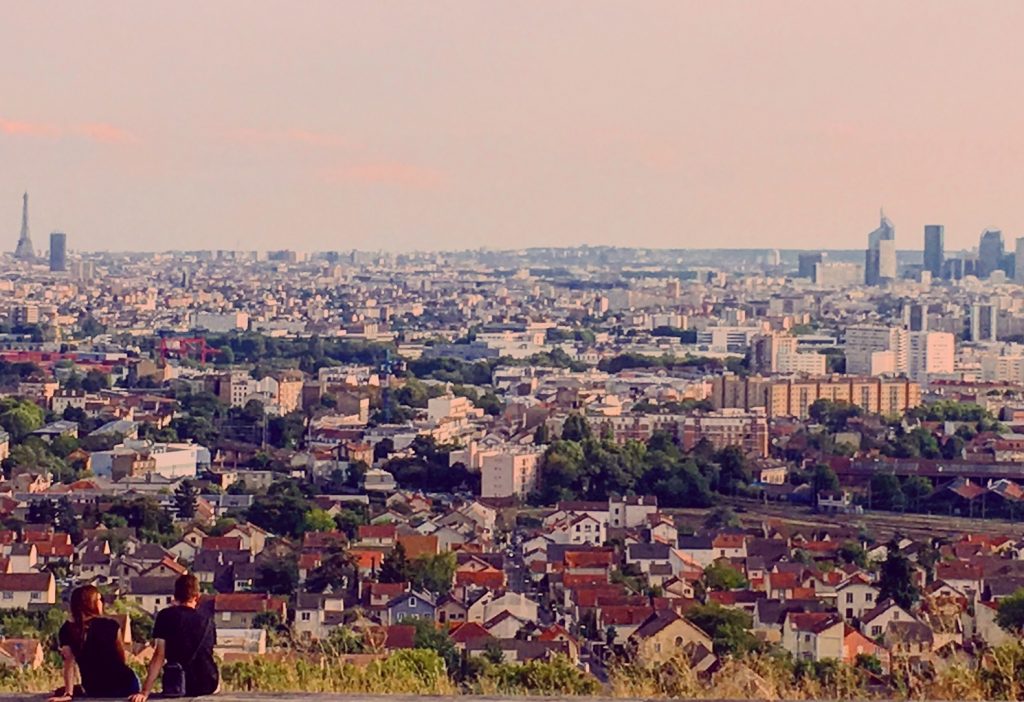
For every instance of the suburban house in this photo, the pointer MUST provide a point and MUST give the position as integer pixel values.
(27, 590)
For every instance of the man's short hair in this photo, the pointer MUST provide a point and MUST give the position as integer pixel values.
(186, 588)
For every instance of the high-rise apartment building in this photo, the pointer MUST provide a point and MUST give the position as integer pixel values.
(934, 243)
(880, 257)
(930, 353)
(728, 427)
(990, 253)
(58, 252)
(915, 316)
(510, 473)
(1018, 254)
(984, 318)
(774, 352)
(875, 350)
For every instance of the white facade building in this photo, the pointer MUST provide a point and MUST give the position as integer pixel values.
(510, 472)
(865, 340)
(930, 353)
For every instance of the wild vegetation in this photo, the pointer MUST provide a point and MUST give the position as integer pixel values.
(766, 676)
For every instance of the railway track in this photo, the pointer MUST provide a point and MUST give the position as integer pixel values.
(881, 525)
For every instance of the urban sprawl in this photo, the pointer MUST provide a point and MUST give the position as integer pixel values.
(593, 457)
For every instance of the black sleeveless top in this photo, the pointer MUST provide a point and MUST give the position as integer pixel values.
(103, 672)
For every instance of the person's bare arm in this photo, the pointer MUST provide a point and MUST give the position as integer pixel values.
(155, 665)
(69, 674)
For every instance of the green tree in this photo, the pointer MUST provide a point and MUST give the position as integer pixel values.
(575, 428)
(186, 498)
(721, 517)
(286, 431)
(319, 520)
(63, 445)
(896, 579)
(433, 573)
(395, 566)
(734, 471)
(343, 640)
(541, 435)
(916, 489)
(337, 572)
(1010, 615)
(283, 514)
(349, 521)
(886, 492)
(19, 418)
(853, 552)
(428, 636)
(728, 628)
(824, 479)
(721, 576)
(278, 576)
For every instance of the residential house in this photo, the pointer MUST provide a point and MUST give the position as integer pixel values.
(21, 653)
(241, 610)
(410, 605)
(856, 644)
(665, 635)
(505, 625)
(646, 555)
(813, 636)
(27, 590)
(151, 593)
(699, 549)
(855, 596)
(875, 622)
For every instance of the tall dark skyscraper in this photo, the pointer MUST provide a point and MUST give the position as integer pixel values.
(934, 244)
(806, 264)
(990, 253)
(24, 250)
(58, 252)
(880, 257)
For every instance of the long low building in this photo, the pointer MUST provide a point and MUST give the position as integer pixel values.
(793, 397)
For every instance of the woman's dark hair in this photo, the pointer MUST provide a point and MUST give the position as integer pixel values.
(86, 605)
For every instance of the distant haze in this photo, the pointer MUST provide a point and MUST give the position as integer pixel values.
(399, 125)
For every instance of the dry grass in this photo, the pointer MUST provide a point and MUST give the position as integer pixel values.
(999, 675)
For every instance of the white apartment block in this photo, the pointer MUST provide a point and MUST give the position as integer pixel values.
(930, 353)
(514, 344)
(809, 363)
(863, 341)
(510, 473)
(221, 322)
(998, 368)
(450, 407)
(726, 339)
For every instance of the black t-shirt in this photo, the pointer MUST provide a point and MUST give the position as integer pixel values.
(100, 663)
(190, 636)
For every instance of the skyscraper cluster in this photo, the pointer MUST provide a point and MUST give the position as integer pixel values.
(991, 257)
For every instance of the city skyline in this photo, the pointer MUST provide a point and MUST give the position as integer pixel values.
(340, 126)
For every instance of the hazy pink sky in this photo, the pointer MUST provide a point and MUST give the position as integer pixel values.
(335, 125)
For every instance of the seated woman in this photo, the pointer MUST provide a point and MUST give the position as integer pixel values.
(94, 643)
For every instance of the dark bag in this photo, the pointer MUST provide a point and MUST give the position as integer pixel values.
(173, 680)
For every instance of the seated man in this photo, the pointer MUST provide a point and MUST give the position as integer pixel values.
(183, 637)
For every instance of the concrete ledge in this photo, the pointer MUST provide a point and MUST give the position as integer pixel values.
(328, 697)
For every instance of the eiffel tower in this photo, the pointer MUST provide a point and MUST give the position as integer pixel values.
(24, 251)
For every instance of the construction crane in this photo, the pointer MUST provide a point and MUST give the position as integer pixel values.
(186, 347)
